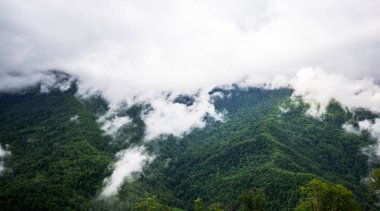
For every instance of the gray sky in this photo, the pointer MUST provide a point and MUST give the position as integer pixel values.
(149, 45)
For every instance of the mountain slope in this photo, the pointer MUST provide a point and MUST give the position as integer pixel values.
(259, 146)
(59, 156)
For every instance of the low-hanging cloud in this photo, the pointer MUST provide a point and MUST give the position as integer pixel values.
(111, 123)
(129, 161)
(3, 154)
(177, 118)
(373, 127)
(318, 87)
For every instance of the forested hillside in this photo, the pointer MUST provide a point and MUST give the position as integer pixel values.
(267, 143)
(58, 154)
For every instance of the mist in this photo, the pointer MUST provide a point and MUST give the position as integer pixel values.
(3, 154)
(129, 161)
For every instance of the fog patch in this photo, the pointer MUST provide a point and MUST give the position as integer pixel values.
(112, 121)
(317, 87)
(45, 81)
(168, 118)
(113, 125)
(17, 81)
(129, 161)
(3, 153)
(74, 119)
(349, 128)
(373, 127)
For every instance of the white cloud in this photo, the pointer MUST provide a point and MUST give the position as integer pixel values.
(113, 125)
(3, 153)
(175, 118)
(74, 119)
(128, 161)
(132, 51)
(374, 129)
(185, 45)
(15, 81)
(318, 87)
(349, 128)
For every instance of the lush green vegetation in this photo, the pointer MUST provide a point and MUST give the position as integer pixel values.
(256, 160)
(318, 195)
(253, 200)
(56, 163)
(268, 143)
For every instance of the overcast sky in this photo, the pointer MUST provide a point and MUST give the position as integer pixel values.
(165, 45)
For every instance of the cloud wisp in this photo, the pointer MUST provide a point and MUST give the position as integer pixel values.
(3, 154)
(129, 161)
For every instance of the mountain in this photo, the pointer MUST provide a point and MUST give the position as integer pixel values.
(54, 162)
(59, 156)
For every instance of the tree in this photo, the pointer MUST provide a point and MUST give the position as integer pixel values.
(318, 196)
(198, 204)
(374, 183)
(148, 204)
(375, 180)
(253, 200)
(215, 207)
(152, 204)
(341, 199)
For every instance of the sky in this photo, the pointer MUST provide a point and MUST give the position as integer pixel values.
(149, 45)
(138, 51)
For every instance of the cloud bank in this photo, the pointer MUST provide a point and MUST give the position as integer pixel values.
(141, 47)
(133, 51)
(318, 87)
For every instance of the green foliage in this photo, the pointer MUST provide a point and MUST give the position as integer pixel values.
(59, 164)
(317, 195)
(152, 204)
(335, 114)
(253, 200)
(258, 146)
(215, 207)
(374, 183)
(198, 204)
(56, 163)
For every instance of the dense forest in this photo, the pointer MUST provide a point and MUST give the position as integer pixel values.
(267, 154)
